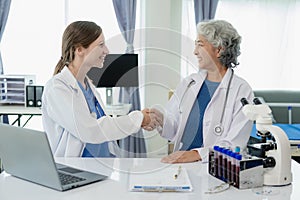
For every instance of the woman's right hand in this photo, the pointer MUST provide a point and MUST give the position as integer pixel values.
(157, 116)
(152, 119)
(146, 124)
(182, 157)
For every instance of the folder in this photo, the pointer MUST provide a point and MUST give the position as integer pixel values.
(160, 180)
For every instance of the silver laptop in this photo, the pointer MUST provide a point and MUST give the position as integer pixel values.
(26, 154)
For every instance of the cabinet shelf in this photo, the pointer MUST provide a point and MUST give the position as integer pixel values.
(13, 88)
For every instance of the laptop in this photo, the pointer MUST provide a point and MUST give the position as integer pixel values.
(26, 154)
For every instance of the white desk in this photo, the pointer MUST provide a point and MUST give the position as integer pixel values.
(20, 111)
(284, 104)
(116, 187)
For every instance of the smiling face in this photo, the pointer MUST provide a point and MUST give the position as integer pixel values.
(86, 58)
(206, 53)
(97, 52)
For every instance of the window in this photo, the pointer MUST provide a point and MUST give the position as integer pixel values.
(31, 39)
(31, 43)
(269, 40)
(189, 62)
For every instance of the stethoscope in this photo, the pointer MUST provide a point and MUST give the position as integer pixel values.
(218, 129)
(99, 110)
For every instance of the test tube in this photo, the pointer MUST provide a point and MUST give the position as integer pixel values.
(229, 163)
(216, 159)
(290, 114)
(233, 168)
(220, 167)
(237, 170)
(233, 164)
(237, 150)
(211, 161)
(225, 159)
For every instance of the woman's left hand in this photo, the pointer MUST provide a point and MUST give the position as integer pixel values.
(182, 157)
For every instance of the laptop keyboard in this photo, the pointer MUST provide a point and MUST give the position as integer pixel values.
(66, 179)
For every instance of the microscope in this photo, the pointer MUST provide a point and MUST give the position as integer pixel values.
(274, 147)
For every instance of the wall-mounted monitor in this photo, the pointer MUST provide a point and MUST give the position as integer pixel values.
(119, 70)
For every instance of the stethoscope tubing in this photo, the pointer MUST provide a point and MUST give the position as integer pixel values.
(218, 130)
(226, 97)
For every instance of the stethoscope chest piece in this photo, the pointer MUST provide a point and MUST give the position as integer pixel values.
(218, 130)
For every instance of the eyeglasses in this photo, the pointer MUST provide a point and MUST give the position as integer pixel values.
(219, 188)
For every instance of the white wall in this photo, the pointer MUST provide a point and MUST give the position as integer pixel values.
(162, 60)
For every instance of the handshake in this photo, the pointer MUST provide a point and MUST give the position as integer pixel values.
(153, 118)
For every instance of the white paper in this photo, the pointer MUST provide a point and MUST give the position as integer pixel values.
(160, 180)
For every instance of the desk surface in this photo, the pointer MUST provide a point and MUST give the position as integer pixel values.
(115, 110)
(116, 187)
(284, 104)
(19, 110)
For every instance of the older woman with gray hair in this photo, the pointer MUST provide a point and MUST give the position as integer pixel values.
(205, 109)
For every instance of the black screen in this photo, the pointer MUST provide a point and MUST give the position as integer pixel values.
(119, 70)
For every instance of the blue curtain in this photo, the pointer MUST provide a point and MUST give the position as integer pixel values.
(205, 9)
(4, 10)
(126, 13)
(134, 145)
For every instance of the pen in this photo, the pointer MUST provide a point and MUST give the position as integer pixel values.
(161, 188)
(178, 172)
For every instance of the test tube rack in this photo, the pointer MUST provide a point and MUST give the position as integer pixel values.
(242, 172)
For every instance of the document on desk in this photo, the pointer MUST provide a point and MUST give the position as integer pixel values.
(168, 179)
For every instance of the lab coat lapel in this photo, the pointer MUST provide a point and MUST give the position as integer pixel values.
(93, 88)
(70, 80)
(213, 112)
(112, 145)
(187, 102)
(219, 96)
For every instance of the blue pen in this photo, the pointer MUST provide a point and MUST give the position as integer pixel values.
(161, 188)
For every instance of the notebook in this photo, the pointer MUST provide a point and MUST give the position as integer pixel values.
(167, 179)
(26, 154)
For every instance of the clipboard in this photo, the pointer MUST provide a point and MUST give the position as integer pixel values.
(160, 180)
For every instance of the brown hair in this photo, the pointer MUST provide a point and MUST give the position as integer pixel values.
(79, 33)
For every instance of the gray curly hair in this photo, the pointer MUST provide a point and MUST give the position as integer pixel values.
(222, 34)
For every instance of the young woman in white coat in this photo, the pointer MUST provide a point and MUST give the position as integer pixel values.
(72, 110)
(205, 109)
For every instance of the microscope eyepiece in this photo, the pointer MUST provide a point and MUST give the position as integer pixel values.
(256, 101)
(244, 101)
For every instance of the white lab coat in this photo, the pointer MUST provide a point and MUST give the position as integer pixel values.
(237, 127)
(70, 125)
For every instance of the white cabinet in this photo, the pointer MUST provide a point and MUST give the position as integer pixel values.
(13, 88)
